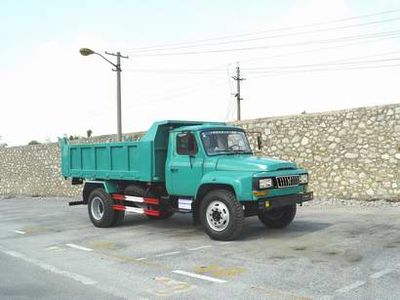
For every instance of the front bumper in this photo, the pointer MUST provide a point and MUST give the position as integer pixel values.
(280, 201)
(253, 208)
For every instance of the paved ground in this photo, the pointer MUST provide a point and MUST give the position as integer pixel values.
(49, 250)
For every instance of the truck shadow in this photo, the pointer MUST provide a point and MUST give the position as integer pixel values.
(253, 229)
(176, 221)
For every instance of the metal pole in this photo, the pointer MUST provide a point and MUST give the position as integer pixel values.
(117, 66)
(119, 118)
(238, 91)
(118, 70)
(238, 98)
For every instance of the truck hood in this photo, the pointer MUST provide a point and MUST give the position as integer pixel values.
(251, 164)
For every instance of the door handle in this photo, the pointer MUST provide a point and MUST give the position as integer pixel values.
(173, 170)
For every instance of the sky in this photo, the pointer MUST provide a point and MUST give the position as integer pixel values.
(296, 56)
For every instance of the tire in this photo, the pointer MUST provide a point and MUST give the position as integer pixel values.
(278, 217)
(138, 191)
(221, 215)
(119, 219)
(100, 209)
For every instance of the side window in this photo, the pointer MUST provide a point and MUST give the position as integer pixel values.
(186, 144)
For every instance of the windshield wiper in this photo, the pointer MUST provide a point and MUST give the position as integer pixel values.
(231, 152)
(239, 152)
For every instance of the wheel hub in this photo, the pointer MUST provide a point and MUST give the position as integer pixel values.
(97, 208)
(217, 215)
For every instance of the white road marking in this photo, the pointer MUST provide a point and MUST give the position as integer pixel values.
(53, 248)
(224, 243)
(20, 231)
(381, 273)
(168, 253)
(198, 276)
(198, 248)
(141, 258)
(79, 247)
(80, 278)
(350, 287)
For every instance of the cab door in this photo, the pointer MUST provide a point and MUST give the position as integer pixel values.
(184, 167)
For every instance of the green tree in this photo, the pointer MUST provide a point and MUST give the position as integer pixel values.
(74, 137)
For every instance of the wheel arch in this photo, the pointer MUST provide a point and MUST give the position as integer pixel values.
(90, 186)
(224, 179)
(207, 187)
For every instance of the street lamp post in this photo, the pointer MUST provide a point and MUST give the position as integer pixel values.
(117, 66)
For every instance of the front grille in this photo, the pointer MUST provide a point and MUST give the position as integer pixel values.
(287, 181)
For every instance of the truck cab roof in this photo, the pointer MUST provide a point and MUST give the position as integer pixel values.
(205, 126)
(163, 127)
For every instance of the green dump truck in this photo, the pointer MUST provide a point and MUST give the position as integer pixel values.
(204, 168)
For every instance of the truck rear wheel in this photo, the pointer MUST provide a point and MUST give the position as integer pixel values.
(278, 217)
(100, 209)
(221, 215)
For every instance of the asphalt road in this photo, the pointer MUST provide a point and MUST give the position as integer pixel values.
(51, 251)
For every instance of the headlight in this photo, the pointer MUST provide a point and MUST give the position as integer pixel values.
(303, 179)
(265, 183)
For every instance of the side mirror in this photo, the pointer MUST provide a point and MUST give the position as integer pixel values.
(259, 142)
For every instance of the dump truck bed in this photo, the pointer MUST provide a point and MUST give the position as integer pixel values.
(112, 161)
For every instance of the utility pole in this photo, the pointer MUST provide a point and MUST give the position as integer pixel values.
(118, 70)
(117, 66)
(237, 95)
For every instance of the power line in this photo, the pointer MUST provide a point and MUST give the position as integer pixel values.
(266, 37)
(163, 96)
(393, 33)
(288, 72)
(313, 50)
(287, 54)
(230, 102)
(207, 71)
(263, 69)
(266, 31)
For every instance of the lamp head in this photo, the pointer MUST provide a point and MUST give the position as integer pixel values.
(86, 51)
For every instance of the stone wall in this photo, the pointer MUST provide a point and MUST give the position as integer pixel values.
(35, 170)
(351, 154)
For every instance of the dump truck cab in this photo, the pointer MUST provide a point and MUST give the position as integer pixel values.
(194, 153)
(204, 168)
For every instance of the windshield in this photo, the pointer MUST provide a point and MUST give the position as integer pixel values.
(225, 142)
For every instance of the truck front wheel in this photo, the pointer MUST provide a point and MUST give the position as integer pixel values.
(100, 209)
(221, 215)
(278, 217)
